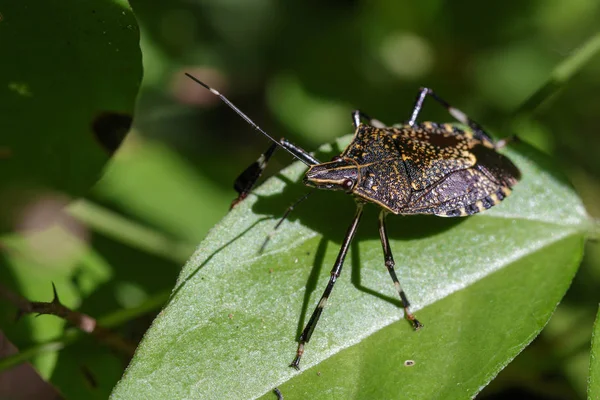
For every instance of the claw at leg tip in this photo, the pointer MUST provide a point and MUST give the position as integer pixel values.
(416, 324)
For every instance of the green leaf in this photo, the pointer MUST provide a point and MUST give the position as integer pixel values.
(68, 86)
(483, 286)
(594, 378)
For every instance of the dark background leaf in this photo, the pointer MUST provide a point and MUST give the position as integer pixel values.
(69, 81)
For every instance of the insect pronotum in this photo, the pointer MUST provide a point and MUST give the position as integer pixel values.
(410, 168)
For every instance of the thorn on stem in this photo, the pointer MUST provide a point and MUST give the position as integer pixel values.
(55, 300)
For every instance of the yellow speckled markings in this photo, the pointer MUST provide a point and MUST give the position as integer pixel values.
(411, 168)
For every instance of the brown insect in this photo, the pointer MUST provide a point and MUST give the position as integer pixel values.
(411, 168)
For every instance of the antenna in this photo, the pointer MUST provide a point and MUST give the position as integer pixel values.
(244, 116)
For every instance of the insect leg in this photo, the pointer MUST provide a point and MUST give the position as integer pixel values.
(503, 142)
(418, 106)
(335, 273)
(460, 116)
(283, 217)
(248, 178)
(357, 115)
(389, 263)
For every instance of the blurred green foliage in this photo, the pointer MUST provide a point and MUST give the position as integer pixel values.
(298, 68)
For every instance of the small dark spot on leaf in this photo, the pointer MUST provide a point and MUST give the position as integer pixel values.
(230, 316)
(318, 373)
(409, 363)
(110, 129)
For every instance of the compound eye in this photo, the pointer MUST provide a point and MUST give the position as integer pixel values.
(348, 184)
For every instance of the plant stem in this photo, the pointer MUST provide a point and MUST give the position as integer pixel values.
(111, 320)
(129, 232)
(562, 73)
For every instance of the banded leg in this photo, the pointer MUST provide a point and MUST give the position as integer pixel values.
(357, 115)
(389, 263)
(335, 273)
(460, 116)
(248, 178)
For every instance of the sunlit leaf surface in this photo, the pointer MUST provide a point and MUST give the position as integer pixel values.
(483, 286)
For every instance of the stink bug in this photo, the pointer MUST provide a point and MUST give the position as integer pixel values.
(411, 168)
